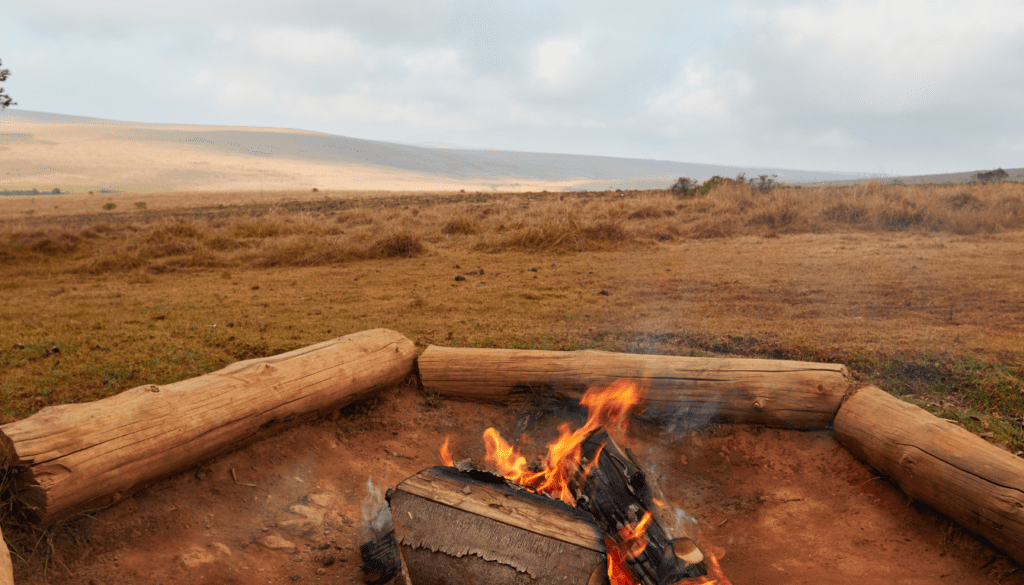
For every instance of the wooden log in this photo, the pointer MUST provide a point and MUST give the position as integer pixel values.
(456, 527)
(686, 390)
(76, 457)
(937, 462)
(6, 567)
(617, 493)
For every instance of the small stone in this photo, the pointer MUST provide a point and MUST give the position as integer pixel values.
(322, 500)
(603, 293)
(467, 490)
(321, 571)
(460, 278)
(275, 542)
(328, 560)
(531, 270)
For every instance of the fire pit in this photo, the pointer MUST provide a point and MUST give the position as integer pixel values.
(782, 503)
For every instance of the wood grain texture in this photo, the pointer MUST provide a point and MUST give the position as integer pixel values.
(455, 529)
(939, 463)
(82, 456)
(777, 393)
(6, 568)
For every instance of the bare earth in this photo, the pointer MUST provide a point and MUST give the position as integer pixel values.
(787, 507)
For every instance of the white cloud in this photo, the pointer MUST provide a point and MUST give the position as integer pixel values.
(560, 62)
(893, 47)
(700, 91)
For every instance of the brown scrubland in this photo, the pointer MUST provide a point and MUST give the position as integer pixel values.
(917, 289)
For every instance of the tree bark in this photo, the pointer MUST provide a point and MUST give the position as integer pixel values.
(76, 457)
(939, 463)
(686, 390)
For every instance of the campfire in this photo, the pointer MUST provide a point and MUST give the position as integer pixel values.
(586, 513)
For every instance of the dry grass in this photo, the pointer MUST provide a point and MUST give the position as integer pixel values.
(320, 233)
(917, 289)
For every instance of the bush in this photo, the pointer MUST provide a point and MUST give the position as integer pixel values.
(460, 225)
(397, 246)
(998, 175)
(109, 206)
(764, 183)
(684, 187)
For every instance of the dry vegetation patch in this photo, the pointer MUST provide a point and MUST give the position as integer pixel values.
(918, 289)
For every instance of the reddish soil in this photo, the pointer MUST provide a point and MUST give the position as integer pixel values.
(787, 507)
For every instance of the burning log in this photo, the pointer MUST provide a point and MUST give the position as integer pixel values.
(618, 495)
(80, 456)
(456, 527)
(786, 394)
(936, 462)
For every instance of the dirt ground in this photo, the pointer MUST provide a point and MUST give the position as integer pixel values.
(787, 507)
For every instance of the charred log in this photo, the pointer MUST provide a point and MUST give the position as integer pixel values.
(617, 494)
(381, 561)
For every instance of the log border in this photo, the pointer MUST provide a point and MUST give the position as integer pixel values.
(832, 402)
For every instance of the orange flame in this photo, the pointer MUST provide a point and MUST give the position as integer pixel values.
(716, 577)
(446, 456)
(608, 408)
(630, 541)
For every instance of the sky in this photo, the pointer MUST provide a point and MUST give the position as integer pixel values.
(871, 87)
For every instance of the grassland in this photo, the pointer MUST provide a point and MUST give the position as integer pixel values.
(918, 289)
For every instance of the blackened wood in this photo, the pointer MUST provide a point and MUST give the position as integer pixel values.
(381, 561)
(616, 493)
(458, 527)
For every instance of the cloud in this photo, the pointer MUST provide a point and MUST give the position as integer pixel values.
(700, 91)
(829, 84)
(558, 62)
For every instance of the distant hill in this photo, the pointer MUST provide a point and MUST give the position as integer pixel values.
(74, 153)
(1016, 175)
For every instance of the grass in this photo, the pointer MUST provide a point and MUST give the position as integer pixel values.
(917, 289)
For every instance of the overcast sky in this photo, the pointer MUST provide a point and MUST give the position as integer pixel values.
(874, 86)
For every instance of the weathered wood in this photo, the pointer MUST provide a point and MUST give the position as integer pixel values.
(455, 527)
(939, 463)
(81, 456)
(685, 390)
(6, 568)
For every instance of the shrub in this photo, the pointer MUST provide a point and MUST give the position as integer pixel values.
(646, 212)
(997, 175)
(402, 245)
(846, 213)
(712, 183)
(109, 206)
(965, 200)
(684, 187)
(764, 183)
(460, 225)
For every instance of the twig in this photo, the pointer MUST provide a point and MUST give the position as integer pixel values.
(792, 500)
(723, 522)
(872, 479)
(235, 477)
